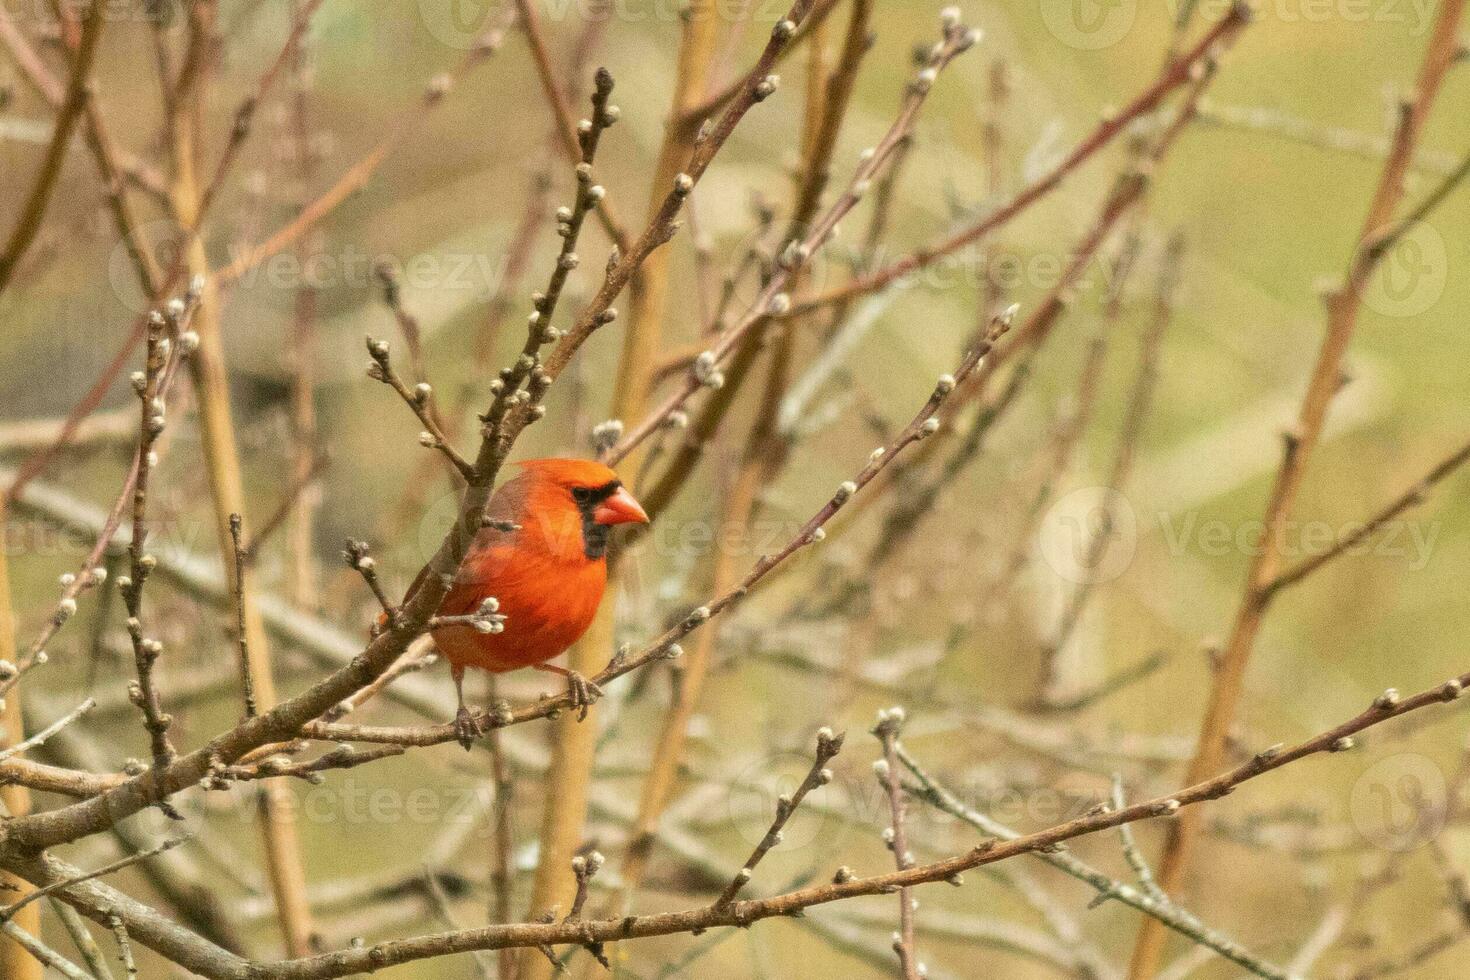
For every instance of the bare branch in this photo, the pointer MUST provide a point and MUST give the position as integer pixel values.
(828, 745)
(890, 723)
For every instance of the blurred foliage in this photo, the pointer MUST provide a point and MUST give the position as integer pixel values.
(1266, 217)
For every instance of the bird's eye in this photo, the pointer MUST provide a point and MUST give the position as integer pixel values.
(581, 494)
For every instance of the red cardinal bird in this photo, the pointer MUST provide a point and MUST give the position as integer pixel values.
(524, 595)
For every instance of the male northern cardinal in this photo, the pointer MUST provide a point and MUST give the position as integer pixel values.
(544, 564)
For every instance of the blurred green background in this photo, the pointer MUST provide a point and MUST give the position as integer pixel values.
(1269, 190)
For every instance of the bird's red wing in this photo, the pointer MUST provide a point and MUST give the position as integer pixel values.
(547, 586)
(506, 505)
(484, 572)
(487, 542)
(547, 607)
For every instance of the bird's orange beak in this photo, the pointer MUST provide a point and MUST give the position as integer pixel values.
(620, 508)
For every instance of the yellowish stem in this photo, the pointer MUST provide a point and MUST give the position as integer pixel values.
(226, 485)
(565, 809)
(566, 801)
(15, 962)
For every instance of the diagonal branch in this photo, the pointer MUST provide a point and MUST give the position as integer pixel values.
(1176, 74)
(34, 209)
(1141, 898)
(1443, 50)
(1411, 498)
(211, 961)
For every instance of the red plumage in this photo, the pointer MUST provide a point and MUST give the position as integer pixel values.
(548, 574)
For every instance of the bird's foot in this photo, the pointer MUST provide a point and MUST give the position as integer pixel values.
(582, 693)
(467, 727)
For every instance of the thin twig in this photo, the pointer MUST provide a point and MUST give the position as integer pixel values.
(502, 867)
(39, 739)
(43, 953)
(420, 400)
(828, 745)
(165, 334)
(1135, 416)
(244, 117)
(1383, 241)
(1131, 853)
(890, 723)
(8, 912)
(358, 558)
(1411, 498)
(1442, 51)
(667, 646)
(713, 103)
(774, 300)
(34, 208)
(247, 685)
(1142, 899)
(124, 944)
(435, 888)
(300, 483)
(81, 937)
(565, 129)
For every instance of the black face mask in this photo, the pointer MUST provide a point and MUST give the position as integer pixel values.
(594, 535)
